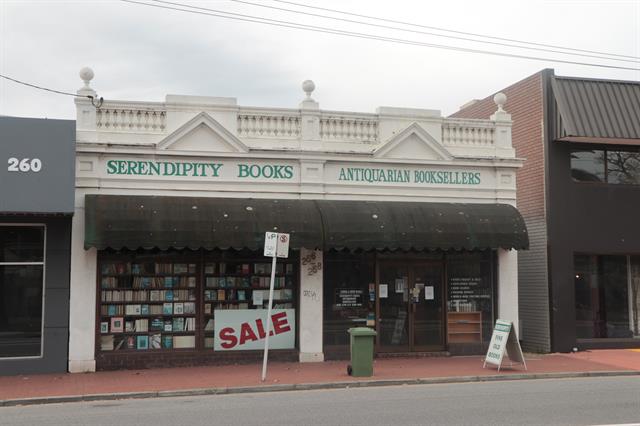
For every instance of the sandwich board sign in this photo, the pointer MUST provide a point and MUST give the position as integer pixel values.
(503, 340)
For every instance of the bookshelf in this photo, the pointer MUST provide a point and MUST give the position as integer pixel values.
(147, 305)
(464, 327)
(243, 285)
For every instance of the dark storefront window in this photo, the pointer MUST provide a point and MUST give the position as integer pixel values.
(470, 297)
(610, 166)
(21, 287)
(605, 295)
(347, 301)
(171, 300)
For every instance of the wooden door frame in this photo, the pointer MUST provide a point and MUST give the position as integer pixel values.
(411, 264)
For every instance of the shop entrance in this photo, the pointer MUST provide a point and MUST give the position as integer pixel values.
(410, 307)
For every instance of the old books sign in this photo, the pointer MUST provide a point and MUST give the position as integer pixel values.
(504, 340)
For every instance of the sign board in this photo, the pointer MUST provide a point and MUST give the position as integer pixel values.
(244, 329)
(349, 297)
(504, 340)
(276, 244)
(37, 165)
(270, 243)
(282, 249)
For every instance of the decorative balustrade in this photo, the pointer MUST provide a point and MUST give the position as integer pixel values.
(349, 129)
(466, 133)
(268, 126)
(131, 119)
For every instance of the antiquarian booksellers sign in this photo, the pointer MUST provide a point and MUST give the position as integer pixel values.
(391, 175)
(244, 329)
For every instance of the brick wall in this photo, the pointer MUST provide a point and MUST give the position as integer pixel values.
(526, 106)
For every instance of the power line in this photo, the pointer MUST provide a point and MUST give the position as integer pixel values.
(75, 95)
(451, 31)
(312, 28)
(608, 57)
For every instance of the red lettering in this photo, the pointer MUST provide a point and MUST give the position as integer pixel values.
(228, 338)
(280, 323)
(246, 333)
(261, 331)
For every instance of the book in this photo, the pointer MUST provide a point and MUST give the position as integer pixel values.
(168, 325)
(157, 324)
(210, 325)
(142, 325)
(168, 295)
(117, 325)
(131, 342)
(154, 341)
(132, 309)
(178, 324)
(167, 308)
(142, 342)
(167, 341)
(189, 308)
(104, 327)
(184, 342)
(210, 268)
(178, 308)
(106, 343)
(144, 309)
(112, 309)
(154, 296)
(207, 308)
(168, 282)
(221, 295)
(129, 326)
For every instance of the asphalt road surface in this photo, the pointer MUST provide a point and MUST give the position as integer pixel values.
(585, 401)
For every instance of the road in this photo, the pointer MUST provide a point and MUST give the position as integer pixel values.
(585, 401)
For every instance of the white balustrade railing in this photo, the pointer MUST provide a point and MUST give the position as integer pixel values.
(129, 119)
(349, 129)
(466, 133)
(268, 125)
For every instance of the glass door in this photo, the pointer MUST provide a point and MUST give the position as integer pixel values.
(393, 312)
(410, 307)
(426, 306)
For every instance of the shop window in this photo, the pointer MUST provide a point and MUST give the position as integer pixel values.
(470, 297)
(21, 290)
(610, 166)
(605, 293)
(348, 303)
(170, 300)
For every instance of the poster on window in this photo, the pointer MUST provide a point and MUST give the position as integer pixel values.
(245, 329)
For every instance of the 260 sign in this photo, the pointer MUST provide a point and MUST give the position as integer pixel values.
(24, 165)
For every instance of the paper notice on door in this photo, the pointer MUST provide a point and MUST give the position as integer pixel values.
(428, 293)
(399, 285)
(383, 292)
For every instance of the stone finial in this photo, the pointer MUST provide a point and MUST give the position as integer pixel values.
(86, 74)
(500, 99)
(308, 86)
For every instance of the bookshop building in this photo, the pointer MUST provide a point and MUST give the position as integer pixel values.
(402, 220)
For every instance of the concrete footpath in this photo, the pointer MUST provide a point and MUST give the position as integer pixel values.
(227, 379)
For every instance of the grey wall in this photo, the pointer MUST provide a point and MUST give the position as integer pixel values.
(56, 300)
(51, 189)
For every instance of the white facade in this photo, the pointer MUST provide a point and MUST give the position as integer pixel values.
(219, 149)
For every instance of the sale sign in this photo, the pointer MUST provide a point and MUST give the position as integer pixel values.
(245, 329)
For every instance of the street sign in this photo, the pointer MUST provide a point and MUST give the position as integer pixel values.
(282, 249)
(270, 243)
(504, 340)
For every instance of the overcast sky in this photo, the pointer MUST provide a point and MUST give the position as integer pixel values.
(143, 53)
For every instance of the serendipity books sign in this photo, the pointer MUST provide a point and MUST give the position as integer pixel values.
(503, 340)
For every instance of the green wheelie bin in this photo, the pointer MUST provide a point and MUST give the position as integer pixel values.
(361, 351)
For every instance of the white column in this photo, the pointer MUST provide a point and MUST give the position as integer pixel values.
(82, 309)
(508, 287)
(311, 306)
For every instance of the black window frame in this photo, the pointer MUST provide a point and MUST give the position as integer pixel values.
(605, 151)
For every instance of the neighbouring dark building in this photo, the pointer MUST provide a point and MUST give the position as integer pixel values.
(36, 207)
(579, 192)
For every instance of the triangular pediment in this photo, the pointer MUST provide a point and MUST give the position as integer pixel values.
(413, 143)
(203, 133)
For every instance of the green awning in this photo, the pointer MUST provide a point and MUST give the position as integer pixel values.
(376, 225)
(134, 222)
(113, 221)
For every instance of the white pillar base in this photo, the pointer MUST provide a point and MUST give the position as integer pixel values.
(82, 366)
(311, 357)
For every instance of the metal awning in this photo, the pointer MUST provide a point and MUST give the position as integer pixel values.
(113, 221)
(369, 225)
